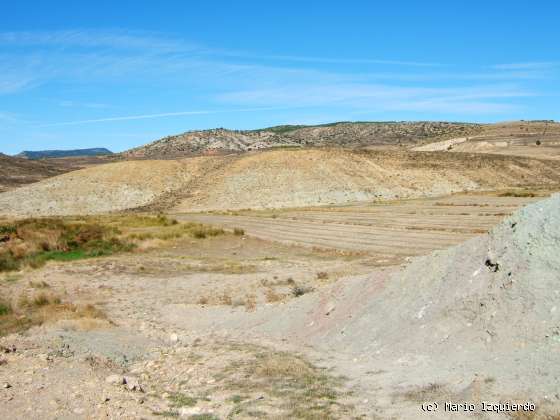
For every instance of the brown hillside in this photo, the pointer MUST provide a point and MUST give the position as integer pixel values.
(15, 172)
(271, 179)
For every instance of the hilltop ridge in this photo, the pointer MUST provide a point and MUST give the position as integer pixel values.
(341, 134)
(40, 154)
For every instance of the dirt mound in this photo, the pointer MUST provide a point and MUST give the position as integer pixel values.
(486, 309)
(352, 135)
(496, 292)
(15, 172)
(272, 179)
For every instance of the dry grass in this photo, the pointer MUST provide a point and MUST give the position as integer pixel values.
(293, 388)
(20, 314)
(227, 267)
(32, 242)
(322, 275)
(425, 393)
(518, 193)
(250, 303)
(272, 296)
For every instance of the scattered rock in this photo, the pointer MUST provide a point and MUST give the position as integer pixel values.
(8, 349)
(174, 338)
(115, 380)
(133, 384)
(190, 411)
(492, 266)
(6, 385)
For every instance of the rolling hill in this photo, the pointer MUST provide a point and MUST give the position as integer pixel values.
(41, 154)
(15, 172)
(272, 179)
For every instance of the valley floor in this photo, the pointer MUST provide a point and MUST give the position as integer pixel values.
(236, 326)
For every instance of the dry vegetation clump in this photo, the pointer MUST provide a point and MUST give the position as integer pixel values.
(250, 303)
(32, 242)
(520, 193)
(294, 388)
(428, 392)
(272, 296)
(175, 231)
(20, 314)
(298, 290)
(322, 275)
(238, 232)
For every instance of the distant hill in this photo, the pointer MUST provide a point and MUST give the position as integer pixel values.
(540, 139)
(341, 134)
(40, 154)
(15, 172)
(281, 178)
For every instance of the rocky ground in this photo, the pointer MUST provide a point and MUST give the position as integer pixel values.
(236, 327)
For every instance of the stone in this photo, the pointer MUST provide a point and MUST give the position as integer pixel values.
(190, 411)
(115, 379)
(133, 384)
(174, 338)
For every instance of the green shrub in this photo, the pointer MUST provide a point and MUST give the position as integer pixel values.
(5, 308)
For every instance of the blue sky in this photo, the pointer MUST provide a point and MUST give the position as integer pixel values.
(120, 74)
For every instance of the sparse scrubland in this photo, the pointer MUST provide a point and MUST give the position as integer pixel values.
(33, 242)
(300, 283)
(19, 313)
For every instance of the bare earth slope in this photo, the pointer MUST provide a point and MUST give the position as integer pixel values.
(102, 189)
(352, 135)
(540, 139)
(15, 172)
(314, 177)
(272, 179)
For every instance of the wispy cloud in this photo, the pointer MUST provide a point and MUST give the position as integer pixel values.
(329, 60)
(249, 81)
(164, 115)
(531, 65)
(78, 104)
(116, 39)
(382, 97)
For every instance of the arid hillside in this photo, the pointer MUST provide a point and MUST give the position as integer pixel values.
(273, 179)
(15, 172)
(539, 139)
(345, 134)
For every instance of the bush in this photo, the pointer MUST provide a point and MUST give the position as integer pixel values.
(5, 308)
(8, 262)
(238, 232)
(298, 291)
